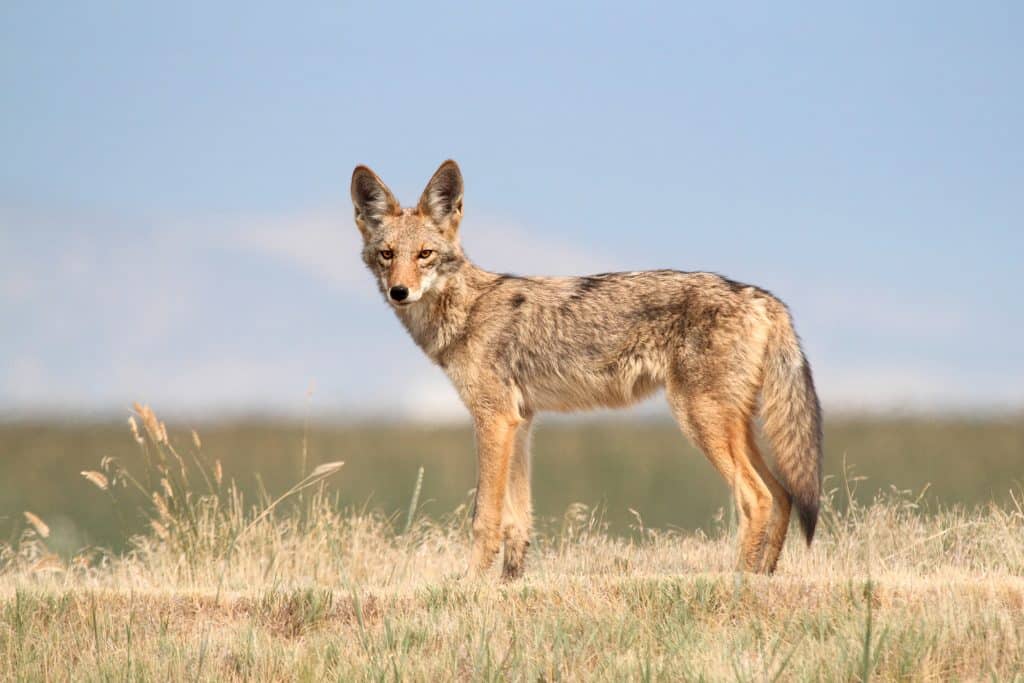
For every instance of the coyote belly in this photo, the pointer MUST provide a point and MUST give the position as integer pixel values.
(513, 346)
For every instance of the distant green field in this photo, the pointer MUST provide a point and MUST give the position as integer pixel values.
(644, 465)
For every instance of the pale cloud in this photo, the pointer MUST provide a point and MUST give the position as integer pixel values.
(16, 287)
(207, 387)
(71, 276)
(431, 398)
(505, 246)
(181, 314)
(880, 386)
(216, 383)
(125, 314)
(25, 379)
(326, 245)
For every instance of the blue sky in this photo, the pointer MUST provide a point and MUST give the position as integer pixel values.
(175, 225)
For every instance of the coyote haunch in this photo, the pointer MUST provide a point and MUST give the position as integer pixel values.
(513, 346)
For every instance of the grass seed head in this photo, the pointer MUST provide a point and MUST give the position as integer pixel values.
(135, 429)
(161, 507)
(98, 479)
(326, 469)
(157, 430)
(38, 524)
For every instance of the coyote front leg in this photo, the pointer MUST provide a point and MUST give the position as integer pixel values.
(495, 439)
(517, 515)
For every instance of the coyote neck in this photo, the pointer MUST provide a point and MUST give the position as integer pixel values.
(440, 318)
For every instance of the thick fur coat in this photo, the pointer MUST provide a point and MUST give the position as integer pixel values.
(512, 346)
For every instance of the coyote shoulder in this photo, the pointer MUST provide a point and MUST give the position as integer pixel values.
(513, 346)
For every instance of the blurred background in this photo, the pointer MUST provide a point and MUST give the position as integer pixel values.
(175, 228)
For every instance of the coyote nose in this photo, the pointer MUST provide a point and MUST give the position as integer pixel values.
(398, 292)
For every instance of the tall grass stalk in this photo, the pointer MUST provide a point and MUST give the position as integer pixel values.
(414, 502)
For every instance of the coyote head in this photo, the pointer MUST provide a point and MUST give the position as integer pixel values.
(412, 250)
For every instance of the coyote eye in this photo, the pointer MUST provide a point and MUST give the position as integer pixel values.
(386, 254)
(426, 253)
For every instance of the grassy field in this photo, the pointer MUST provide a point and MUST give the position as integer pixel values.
(617, 466)
(285, 583)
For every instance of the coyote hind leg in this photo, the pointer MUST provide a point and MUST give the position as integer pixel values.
(720, 431)
(782, 503)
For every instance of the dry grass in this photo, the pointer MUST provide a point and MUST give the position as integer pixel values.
(294, 589)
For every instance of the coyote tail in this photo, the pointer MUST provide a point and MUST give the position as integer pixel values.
(791, 417)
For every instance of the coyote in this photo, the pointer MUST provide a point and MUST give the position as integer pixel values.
(514, 346)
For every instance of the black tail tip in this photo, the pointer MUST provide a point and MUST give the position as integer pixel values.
(808, 514)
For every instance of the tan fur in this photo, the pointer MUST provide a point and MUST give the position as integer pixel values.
(513, 346)
(517, 513)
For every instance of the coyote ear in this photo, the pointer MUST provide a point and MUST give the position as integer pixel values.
(442, 199)
(372, 199)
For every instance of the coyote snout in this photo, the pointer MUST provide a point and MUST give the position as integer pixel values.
(512, 346)
(406, 277)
